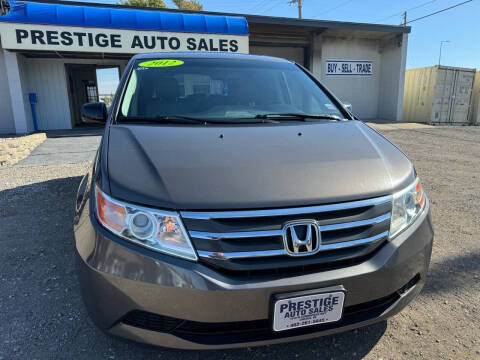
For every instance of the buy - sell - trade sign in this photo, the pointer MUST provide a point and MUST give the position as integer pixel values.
(17, 36)
(348, 67)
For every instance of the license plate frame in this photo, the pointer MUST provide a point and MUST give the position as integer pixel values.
(320, 293)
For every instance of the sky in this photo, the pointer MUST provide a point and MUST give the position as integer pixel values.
(107, 80)
(461, 25)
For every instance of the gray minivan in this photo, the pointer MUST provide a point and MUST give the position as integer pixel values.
(235, 201)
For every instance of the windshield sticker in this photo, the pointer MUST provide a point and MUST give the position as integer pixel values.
(330, 106)
(161, 63)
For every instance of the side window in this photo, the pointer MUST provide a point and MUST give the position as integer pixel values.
(306, 96)
(129, 93)
(300, 98)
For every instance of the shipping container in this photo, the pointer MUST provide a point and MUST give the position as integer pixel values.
(438, 95)
(475, 113)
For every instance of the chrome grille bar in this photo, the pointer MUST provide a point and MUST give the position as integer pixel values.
(347, 244)
(234, 235)
(271, 233)
(208, 215)
(281, 252)
(353, 224)
(240, 254)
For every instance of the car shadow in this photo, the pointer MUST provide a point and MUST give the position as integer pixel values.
(43, 315)
(453, 274)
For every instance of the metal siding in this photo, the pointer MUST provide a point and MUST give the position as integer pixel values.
(7, 124)
(475, 109)
(442, 95)
(461, 101)
(47, 79)
(418, 99)
(25, 90)
(407, 92)
(438, 94)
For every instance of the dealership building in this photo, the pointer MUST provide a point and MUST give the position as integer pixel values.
(51, 52)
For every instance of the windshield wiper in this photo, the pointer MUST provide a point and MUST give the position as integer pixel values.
(172, 119)
(180, 119)
(300, 116)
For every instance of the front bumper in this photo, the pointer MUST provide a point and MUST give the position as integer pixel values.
(148, 297)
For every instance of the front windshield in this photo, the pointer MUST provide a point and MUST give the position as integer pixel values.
(220, 89)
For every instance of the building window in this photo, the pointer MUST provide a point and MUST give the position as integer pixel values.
(92, 92)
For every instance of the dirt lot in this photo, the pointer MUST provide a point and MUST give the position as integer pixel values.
(42, 315)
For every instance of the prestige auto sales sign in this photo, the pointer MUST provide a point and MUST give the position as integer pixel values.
(16, 36)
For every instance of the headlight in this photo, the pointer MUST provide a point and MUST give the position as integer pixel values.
(407, 205)
(158, 230)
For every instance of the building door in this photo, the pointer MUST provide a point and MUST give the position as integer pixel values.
(453, 92)
(462, 95)
(90, 83)
(82, 88)
(293, 53)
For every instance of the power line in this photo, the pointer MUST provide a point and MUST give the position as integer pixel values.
(402, 12)
(439, 11)
(259, 5)
(271, 7)
(334, 8)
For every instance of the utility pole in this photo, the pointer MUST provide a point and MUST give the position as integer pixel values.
(441, 45)
(405, 18)
(299, 4)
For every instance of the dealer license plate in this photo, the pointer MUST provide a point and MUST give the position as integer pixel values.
(308, 310)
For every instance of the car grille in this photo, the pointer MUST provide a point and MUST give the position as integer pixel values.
(258, 330)
(255, 330)
(252, 240)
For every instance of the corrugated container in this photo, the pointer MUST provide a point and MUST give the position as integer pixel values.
(438, 95)
(475, 113)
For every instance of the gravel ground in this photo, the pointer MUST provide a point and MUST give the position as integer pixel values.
(42, 315)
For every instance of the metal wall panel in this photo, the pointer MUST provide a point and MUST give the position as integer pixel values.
(462, 96)
(47, 78)
(7, 124)
(438, 94)
(418, 101)
(475, 109)
(442, 96)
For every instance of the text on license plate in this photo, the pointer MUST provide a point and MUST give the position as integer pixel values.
(308, 310)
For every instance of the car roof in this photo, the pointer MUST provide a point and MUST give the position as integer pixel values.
(207, 55)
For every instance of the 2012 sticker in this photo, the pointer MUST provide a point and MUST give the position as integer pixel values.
(161, 63)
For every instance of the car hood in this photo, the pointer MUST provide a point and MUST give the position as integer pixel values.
(252, 166)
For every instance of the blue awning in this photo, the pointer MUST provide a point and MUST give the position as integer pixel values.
(123, 18)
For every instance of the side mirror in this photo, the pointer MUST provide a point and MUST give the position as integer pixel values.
(94, 113)
(348, 106)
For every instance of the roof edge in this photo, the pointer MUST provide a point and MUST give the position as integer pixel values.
(255, 19)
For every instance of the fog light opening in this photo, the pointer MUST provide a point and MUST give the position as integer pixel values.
(408, 286)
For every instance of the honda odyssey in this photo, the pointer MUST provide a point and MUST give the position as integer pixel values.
(235, 201)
